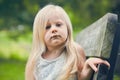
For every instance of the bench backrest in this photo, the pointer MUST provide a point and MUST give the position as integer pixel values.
(101, 39)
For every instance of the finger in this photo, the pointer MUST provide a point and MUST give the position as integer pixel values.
(106, 63)
(94, 67)
(101, 61)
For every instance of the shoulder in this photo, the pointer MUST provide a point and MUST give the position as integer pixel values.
(80, 50)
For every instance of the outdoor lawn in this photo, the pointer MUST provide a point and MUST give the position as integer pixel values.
(12, 69)
(14, 54)
(16, 27)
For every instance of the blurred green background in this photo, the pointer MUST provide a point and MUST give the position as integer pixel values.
(16, 19)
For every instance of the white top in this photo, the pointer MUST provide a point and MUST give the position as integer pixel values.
(49, 69)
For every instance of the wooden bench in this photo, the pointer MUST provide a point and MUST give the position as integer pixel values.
(102, 39)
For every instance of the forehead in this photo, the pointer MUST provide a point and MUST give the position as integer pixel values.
(55, 17)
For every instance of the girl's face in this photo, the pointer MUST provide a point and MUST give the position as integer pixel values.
(55, 32)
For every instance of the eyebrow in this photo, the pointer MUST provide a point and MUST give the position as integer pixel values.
(57, 20)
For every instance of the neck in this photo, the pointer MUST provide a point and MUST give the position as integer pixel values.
(53, 53)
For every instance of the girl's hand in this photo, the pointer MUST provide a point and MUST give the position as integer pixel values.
(90, 65)
(93, 62)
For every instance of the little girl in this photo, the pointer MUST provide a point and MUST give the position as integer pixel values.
(55, 55)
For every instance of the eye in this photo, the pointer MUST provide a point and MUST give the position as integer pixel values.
(58, 24)
(48, 27)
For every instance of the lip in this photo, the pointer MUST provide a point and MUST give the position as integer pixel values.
(55, 36)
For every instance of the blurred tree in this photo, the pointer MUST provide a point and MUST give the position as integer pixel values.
(116, 8)
(17, 12)
(81, 12)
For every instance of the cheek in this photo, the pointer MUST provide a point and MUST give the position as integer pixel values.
(65, 34)
(46, 37)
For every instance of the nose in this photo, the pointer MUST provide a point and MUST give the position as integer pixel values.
(54, 30)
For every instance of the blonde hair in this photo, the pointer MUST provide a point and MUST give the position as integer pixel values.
(73, 56)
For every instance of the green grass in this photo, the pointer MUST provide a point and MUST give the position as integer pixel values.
(12, 70)
(14, 53)
(15, 48)
(116, 77)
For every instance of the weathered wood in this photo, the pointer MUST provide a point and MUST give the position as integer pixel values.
(97, 38)
(114, 52)
(117, 66)
(102, 39)
(102, 73)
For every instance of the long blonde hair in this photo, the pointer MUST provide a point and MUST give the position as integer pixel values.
(73, 56)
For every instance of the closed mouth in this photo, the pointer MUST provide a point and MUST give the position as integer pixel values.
(55, 36)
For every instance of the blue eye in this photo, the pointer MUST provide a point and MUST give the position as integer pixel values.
(48, 27)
